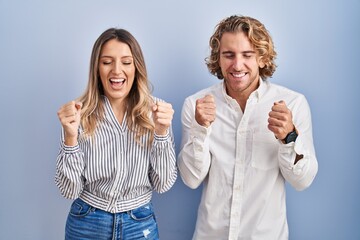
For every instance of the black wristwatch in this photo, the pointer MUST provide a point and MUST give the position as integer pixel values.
(291, 137)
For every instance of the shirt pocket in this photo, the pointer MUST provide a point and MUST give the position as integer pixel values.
(264, 151)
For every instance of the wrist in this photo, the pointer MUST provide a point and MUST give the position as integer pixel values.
(161, 132)
(291, 136)
(70, 141)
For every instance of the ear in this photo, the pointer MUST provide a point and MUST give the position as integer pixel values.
(261, 63)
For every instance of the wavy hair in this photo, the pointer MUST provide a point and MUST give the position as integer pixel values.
(258, 36)
(139, 98)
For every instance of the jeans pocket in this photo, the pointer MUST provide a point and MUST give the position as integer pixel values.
(142, 213)
(79, 208)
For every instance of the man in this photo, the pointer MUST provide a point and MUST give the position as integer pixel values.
(244, 137)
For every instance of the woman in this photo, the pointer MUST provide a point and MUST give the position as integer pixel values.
(116, 146)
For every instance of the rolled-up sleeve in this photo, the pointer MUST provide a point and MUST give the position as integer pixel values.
(301, 174)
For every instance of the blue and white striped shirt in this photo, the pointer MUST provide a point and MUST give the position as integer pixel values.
(112, 171)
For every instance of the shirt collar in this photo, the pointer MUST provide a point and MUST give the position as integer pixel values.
(109, 112)
(107, 102)
(227, 98)
(257, 94)
(107, 106)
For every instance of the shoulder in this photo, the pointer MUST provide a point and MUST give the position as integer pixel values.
(279, 90)
(293, 99)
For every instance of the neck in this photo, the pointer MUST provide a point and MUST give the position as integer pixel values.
(119, 109)
(241, 95)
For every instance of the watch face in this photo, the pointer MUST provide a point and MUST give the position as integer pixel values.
(291, 137)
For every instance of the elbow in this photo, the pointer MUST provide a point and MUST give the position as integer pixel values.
(191, 182)
(189, 178)
(69, 193)
(67, 189)
(192, 185)
(301, 187)
(166, 185)
(306, 181)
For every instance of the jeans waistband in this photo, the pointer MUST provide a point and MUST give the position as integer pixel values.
(115, 206)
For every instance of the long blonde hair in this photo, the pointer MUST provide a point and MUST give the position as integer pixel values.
(139, 98)
(258, 36)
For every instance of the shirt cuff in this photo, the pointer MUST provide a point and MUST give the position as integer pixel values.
(288, 154)
(162, 138)
(199, 137)
(70, 149)
(199, 132)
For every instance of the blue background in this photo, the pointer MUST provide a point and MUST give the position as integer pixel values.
(45, 49)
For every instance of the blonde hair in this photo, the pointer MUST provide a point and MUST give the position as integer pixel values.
(139, 98)
(258, 36)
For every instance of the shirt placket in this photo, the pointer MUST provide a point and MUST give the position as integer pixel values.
(243, 132)
(119, 165)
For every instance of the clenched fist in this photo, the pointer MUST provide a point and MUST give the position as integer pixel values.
(162, 116)
(205, 110)
(280, 120)
(69, 116)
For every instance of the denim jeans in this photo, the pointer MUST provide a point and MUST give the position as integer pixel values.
(87, 222)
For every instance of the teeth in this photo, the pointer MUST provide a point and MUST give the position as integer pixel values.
(239, 74)
(117, 80)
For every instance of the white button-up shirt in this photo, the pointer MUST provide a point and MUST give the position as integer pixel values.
(241, 164)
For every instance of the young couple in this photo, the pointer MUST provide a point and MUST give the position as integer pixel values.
(243, 138)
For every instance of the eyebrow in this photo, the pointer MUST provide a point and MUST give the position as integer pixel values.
(105, 56)
(231, 52)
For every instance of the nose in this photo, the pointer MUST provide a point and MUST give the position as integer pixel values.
(117, 67)
(238, 63)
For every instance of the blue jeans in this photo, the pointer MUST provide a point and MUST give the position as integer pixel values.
(87, 222)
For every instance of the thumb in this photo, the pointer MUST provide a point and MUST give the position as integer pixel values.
(78, 105)
(154, 107)
(209, 97)
(281, 102)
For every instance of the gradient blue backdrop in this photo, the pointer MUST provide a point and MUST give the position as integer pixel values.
(45, 49)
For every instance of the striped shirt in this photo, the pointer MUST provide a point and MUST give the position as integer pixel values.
(112, 171)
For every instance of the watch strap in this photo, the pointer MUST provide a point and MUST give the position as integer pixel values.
(291, 137)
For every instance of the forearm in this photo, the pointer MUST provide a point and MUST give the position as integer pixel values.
(194, 158)
(297, 159)
(193, 170)
(163, 171)
(298, 164)
(69, 169)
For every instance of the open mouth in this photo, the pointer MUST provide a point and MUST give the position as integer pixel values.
(117, 82)
(239, 75)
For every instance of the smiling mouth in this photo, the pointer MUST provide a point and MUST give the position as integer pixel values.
(117, 81)
(238, 75)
